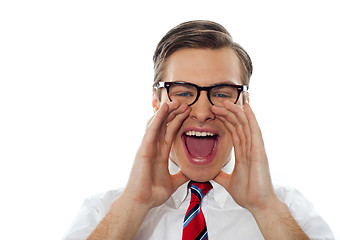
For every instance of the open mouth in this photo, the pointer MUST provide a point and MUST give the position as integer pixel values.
(200, 146)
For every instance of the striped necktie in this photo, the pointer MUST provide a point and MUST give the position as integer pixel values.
(194, 226)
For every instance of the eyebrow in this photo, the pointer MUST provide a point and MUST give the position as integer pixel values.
(226, 82)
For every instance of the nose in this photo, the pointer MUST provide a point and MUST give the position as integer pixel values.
(201, 109)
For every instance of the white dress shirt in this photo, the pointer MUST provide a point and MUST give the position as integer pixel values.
(225, 219)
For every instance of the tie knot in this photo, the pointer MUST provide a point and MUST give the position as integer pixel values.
(199, 190)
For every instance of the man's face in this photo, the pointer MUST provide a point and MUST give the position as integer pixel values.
(201, 157)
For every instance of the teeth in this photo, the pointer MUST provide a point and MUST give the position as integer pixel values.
(199, 134)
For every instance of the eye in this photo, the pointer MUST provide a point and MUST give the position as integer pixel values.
(183, 94)
(181, 91)
(223, 92)
(222, 95)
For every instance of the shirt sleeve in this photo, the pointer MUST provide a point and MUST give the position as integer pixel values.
(90, 214)
(305, 214)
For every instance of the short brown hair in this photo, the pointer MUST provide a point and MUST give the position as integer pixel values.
(198, 34)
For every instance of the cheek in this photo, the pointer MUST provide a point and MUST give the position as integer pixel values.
(176, 149)
(225, 148)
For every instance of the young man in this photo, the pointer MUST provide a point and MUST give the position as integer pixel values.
(201, 115)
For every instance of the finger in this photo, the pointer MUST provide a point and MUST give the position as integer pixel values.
(172, 113)
(161, 115)
(226, 117)
(239, 146)
(152, 130)
(256, 139)
(238, 138)
(242, 118)
(176, 111)
(150, 120)
(237, 110)
(174, 105)
(227, 114)
(231, 128)
(254, 126)
(175, 125)
(239, 118)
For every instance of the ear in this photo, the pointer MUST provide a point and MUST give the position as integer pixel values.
(155, 102)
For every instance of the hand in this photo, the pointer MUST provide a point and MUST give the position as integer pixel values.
(249, 184)
(150, 182)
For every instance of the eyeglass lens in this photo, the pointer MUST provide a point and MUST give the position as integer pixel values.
(187, 93)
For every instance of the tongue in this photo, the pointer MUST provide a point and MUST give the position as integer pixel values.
(200, 146)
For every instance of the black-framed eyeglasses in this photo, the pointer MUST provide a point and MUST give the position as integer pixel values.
(189, 93)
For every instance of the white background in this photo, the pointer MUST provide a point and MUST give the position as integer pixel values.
(75, 95)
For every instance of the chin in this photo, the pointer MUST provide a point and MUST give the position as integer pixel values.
(200, 173)
(201, 178)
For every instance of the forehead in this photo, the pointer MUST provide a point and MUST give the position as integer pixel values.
(203, 67)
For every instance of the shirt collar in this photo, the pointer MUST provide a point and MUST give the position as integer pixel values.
(219, 193)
